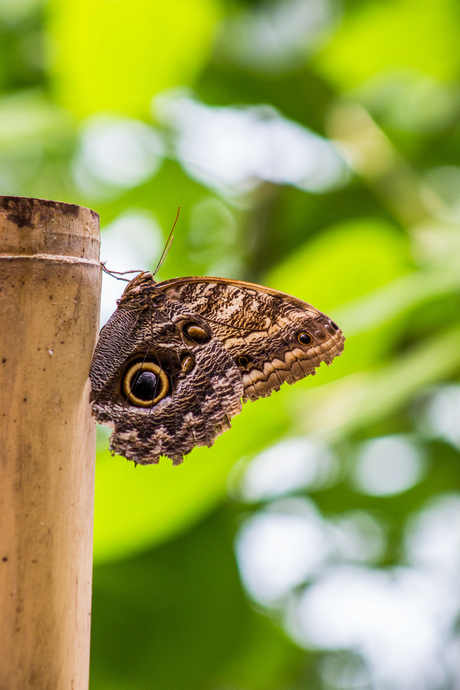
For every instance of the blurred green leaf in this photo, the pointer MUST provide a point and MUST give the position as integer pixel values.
(361, 399)
(344, 262)
(29, 121)
(114, 56)
(184, 596)
(137, 507)
(378, 38)
(397, 298)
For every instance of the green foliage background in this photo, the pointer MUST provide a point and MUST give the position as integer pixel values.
(379, 252)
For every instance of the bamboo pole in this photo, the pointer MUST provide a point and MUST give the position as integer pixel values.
(49, 311)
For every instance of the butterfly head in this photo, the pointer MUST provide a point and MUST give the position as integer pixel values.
(142, 285)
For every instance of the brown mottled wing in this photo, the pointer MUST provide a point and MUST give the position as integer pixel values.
(260, 328)
(200, 401)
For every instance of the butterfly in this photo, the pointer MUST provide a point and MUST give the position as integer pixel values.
(178, 358)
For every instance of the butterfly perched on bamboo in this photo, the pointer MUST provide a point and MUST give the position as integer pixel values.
(178, 358)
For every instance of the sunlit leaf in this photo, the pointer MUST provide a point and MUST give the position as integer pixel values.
(363, 398)
(115, 55)
(184, 596)
(418, 35)
(137, 507)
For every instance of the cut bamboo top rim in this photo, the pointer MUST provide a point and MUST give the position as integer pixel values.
(43, 229)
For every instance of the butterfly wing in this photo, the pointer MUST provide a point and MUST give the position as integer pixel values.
(272, 337)
(163, 380)
(175, 359)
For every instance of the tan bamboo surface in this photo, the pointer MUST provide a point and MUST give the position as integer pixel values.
(49, 312)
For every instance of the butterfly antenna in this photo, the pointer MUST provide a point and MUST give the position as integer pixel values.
(117, 274)
(168, 245)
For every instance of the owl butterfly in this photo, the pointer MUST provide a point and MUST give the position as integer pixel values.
(177, 359)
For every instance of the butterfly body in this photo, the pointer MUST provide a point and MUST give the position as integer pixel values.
(177, 359)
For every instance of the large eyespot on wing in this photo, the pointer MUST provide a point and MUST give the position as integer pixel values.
(144, 384)
(162, 410)
(204, 397)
